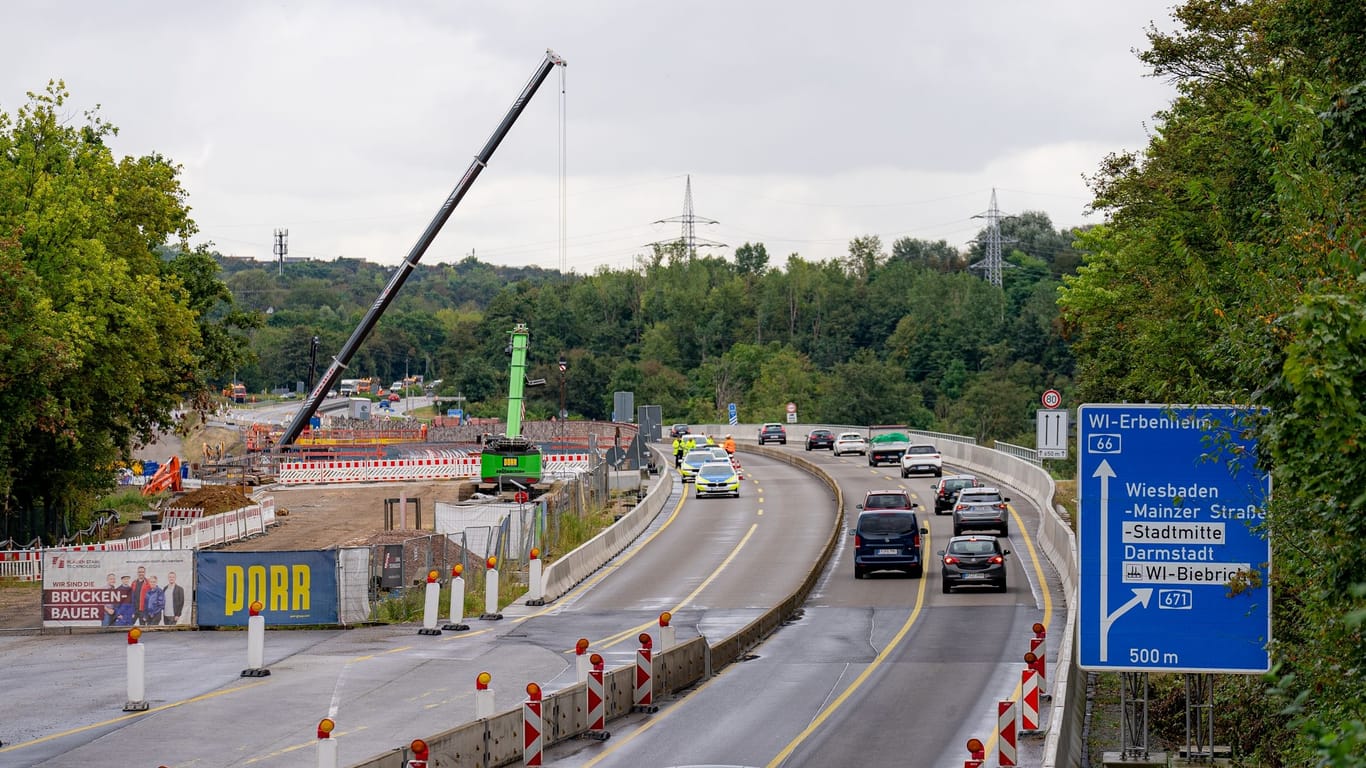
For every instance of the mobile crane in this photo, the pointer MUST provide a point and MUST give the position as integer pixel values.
(386, 296)
(511, 457)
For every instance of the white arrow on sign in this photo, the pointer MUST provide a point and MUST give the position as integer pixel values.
(1141, 596)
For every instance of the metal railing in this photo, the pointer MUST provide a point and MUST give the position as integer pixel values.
(1020, 452)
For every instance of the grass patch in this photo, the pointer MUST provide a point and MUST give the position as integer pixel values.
(405, 606)
(1065, 495)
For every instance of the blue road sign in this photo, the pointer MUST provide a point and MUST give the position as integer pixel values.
(734, 417)
(1170, 504)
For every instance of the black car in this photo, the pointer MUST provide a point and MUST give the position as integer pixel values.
(773, 433)
(974, 561)
(888, 540)
(678, 430)
(946, 490)
(820, 438)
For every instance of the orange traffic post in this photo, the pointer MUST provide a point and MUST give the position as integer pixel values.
(1029, 701)
(581, 662)
(256, 642)
(644, 687)
(535, 589)
(421, 754)
(1038, 648)
(137, 671)
(483, 696)
(491, 590)
(457, 606)
(667, 636)
(977, 754)
(431, 605)
(1005, 724)
(327, 746)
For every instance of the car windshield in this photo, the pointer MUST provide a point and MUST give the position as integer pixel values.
(773, 428)
(957, 485)
(980, 498)
(887, 524)
(886, 501)
(699, 457)
(851, 436)
(983, 547)
(717, 471)
(922, 449)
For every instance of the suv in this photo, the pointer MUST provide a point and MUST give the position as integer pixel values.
(981, 507)
(773, 432)
(820, 438)
(946, 490)
(887, 535)
(921, 457)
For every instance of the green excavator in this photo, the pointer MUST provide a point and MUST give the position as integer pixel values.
(512, 459)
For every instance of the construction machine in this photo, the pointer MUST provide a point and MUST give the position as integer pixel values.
(511, 458)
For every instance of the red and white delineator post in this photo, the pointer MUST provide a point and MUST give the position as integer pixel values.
(644, 694)
(327, 746)
(483, 696)
(667, 636)
(581, 660)
(431, 605)
(977, 754)
(1005, 723)
(457, 606)
(597, 701)
(491, 591)
(1038, 646)
(535, 589)
(421, 754)
(137, 673)
(1029, 701)
(256, 642)
(533, 726)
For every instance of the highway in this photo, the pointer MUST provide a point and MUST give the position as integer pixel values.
(882, 671)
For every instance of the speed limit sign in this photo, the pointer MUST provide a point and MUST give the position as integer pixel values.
(1052, 398)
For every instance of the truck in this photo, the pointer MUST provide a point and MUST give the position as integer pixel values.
(887, 449)
(236, 392)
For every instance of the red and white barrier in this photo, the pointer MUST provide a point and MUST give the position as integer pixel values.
(533, 726)
(22, 564)
(421, 754)
(1029, 701)
(1005, 723)
(1038, 648)
(644, 698)
(443, 468)
(597, 702)
(977, 754)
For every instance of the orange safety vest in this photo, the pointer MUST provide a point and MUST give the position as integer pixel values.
(730, 445)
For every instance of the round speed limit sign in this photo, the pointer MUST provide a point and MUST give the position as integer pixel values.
(1052, 398)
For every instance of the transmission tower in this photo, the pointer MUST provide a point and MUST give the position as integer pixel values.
(281, 247)
(690, 220)
(992, 263)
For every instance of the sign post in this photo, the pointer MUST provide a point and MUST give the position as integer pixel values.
(1173, 567)
(791, 413)
(1051, 428)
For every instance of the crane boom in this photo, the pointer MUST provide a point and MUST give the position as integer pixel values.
(404, 269)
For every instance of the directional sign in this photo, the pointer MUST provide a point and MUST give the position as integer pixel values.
(1173, 569)
(732, 414)
(1050, 439)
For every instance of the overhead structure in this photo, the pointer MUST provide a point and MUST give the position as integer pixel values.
(511, 458)
(690, 220)
(386, 296)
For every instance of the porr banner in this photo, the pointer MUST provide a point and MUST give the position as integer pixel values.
(128, 588)
(294, 587)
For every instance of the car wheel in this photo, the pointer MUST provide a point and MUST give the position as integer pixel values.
(858, 573)
(917, 571)
(957, 531)
(1005, 531)
(939, 473)
(944, 584)
(904, 473)
(1002, 588)
(782, 442)
(808, 446)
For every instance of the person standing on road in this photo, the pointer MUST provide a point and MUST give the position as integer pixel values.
(729, 445)
(173, 601)
(678, 452)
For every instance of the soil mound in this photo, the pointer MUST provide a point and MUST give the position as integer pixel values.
(215, 499)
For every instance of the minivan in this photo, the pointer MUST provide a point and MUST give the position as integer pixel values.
(888, 540)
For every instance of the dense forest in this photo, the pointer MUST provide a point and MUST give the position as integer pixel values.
(1231, 268)
(914, 336)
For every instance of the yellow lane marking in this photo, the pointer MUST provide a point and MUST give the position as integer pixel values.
(858, 681)
(612, 640)
(116, 720)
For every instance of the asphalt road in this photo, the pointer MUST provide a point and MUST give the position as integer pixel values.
(716, 563)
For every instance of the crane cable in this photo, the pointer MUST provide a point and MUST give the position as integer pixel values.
(564, 194)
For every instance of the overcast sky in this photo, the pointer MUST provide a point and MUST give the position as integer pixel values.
(803, 124)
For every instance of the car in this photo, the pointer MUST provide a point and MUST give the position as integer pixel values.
(887, 449)
(678, 430)
(820, 438)
(719, 453)
(973, 561)
(693, 461)
(981, 507)
(394, 397)
(773, 432)
(850, 442)
(921, 458)
(947, 488)
(887, 535)
(717, 478)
